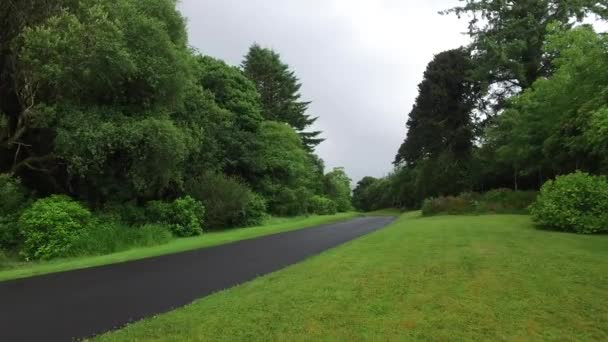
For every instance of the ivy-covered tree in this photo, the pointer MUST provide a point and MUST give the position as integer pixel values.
(279, 89)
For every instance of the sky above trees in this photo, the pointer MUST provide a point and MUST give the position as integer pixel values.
(359, 62)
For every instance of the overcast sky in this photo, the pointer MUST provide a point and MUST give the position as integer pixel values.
(359, 61)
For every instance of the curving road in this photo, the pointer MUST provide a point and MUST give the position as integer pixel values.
(77, 304)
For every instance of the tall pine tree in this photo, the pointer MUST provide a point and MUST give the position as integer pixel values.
(279, 90)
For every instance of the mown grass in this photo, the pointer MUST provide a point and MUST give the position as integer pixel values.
(12, 269)
(439, 278)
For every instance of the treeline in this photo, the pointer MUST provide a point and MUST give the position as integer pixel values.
(524, 103)
(105, 102)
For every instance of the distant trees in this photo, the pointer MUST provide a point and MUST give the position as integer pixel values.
(523, 103)
(279, 90)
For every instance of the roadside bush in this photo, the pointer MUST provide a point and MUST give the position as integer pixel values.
(51, 225)
(291, 202)
(577, 202)
(322, 205)
(184, 216)
(110, 237)
(255, 211)
(228, 202)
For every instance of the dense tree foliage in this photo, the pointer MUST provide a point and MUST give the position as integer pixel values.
(337, 188)
(558, 125)
(104, 103)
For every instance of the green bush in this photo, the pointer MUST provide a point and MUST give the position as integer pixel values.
(255, 211)
(577, 202)
(110, 237)
(10, 236)
(184, 216)
(322, 205)
(51, 225)
(228, 202)
(291, 202)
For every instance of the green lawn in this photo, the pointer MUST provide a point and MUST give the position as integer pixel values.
(439, 278)
(13, 270)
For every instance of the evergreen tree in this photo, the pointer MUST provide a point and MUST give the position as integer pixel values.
(440, 119)
(279, 90)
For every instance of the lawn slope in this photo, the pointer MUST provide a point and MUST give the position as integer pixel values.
(274, 225)
(440, 278)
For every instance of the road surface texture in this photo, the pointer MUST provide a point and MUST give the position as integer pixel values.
(77, 304)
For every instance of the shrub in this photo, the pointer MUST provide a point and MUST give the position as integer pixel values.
(51, 225)
(110, 237)
(506, 201)
(291, 202)
(10, 236)
(228, 202)
(184, 216)
(493, 201)
(577, 202)
(255, 211)
(322, 205)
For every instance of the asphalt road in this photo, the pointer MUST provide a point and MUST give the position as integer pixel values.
(76, 304)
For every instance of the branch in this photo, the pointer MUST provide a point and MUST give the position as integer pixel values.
(27, 162)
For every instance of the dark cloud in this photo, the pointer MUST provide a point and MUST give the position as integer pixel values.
(359, 62)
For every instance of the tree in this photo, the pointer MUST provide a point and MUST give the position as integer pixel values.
(361, 198)
(238, 134)
(557, 125)
(90, 84)
(284, 169)
(337, 188)
(279, 90)
(440, 119)
(508, 39)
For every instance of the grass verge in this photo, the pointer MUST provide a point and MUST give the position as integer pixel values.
(491, 277)
(10, 269)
